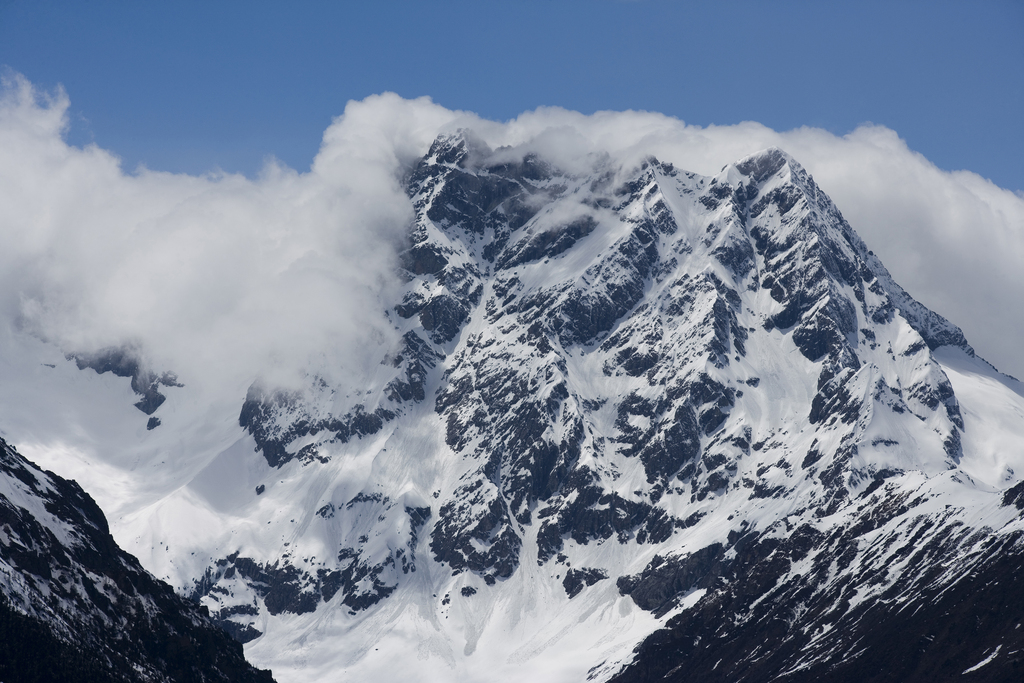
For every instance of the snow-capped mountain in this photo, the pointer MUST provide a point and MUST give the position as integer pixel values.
(641, 425)
(75, 607)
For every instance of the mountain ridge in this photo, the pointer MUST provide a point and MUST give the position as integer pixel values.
(74, 606)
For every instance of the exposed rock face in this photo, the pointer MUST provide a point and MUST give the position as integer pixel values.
(75, 607)
(908, 597)
(704, 392)
(125, 362)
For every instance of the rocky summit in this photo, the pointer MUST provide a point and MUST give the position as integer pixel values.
(641, 425)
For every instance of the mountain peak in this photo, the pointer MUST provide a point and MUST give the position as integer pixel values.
(642, 409)
(761, 165)
(462, 148)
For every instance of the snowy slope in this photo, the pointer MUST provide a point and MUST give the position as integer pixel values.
(640, 422)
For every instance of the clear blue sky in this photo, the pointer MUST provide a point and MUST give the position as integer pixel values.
(189, 86)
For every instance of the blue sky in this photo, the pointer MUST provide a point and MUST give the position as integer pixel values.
(190, 86)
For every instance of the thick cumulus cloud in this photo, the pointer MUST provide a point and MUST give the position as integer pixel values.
(218, 277)
(230, 278)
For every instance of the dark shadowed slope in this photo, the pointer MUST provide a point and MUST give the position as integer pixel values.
(75, 607)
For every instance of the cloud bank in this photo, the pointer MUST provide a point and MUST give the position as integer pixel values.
(228, 278)
(217, 276)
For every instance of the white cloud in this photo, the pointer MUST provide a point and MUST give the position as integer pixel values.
(217, 277)
(225, 277)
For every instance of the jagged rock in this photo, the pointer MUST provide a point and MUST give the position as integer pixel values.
(126, 362)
